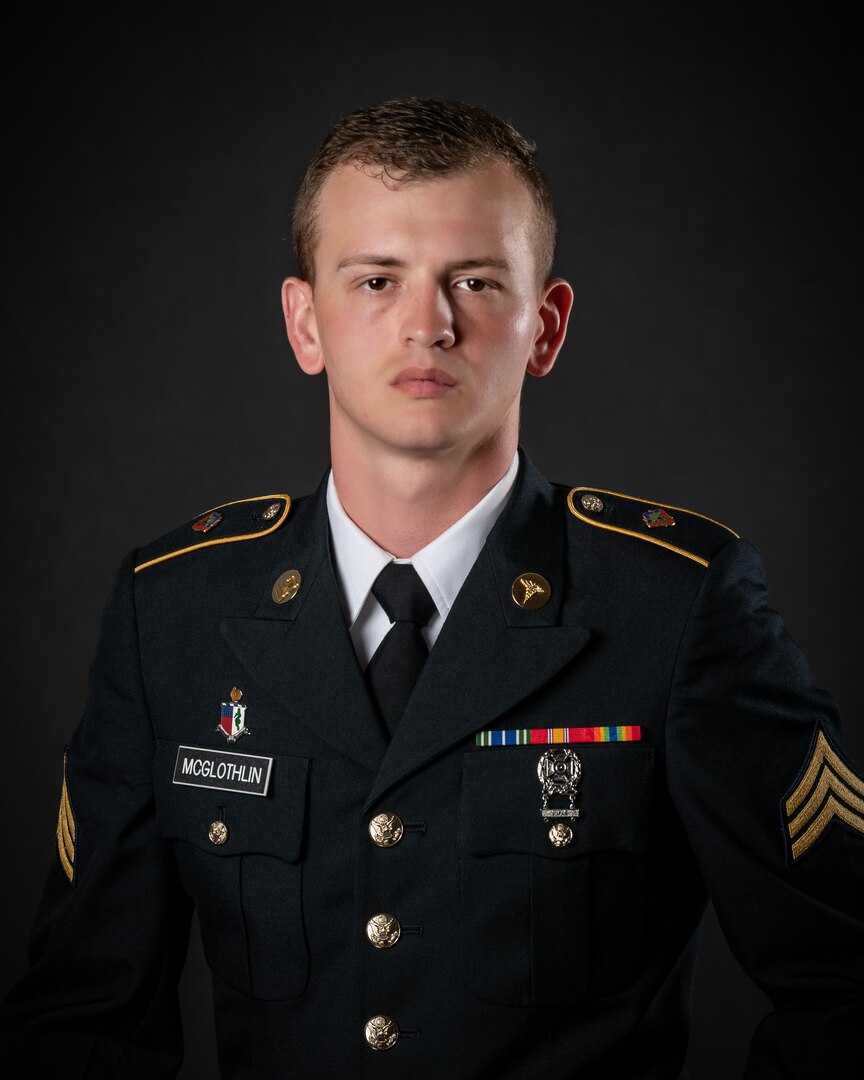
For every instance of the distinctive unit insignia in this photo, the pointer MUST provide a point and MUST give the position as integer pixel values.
(559, 773)
(232, 722)
(271, 511)
(208, 522)
(531, 591)
(657, 518)
(828, 789)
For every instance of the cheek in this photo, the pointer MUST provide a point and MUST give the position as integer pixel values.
(350, 333)
(344, 346)
(507, 345)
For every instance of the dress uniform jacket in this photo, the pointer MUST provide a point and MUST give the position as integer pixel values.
(706, 763)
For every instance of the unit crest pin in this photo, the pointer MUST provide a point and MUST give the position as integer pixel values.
(658, 518)
(232, 722)
(207, 522)
(559, 772)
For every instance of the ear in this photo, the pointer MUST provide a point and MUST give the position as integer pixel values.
(298, 307)
(556, 302)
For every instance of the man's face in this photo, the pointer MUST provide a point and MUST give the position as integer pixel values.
(426, 312)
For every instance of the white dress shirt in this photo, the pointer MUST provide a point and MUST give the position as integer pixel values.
(442, 565)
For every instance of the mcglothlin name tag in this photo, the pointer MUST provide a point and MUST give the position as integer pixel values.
(224, 770)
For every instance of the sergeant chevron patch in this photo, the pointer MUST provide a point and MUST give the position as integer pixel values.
(828, 789)
(66, 830)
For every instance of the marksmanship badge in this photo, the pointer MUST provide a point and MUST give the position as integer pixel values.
(232, 722)
(559, 772)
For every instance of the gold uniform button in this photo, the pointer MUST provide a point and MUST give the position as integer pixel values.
(386, 830)
(383, 930)
(592, 502)
(382, 1032)
(285, 587)
(531, 591)
(218, 832)
(561, 835)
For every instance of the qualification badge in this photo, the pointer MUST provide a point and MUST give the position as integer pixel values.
(232, 722)
(559, 772)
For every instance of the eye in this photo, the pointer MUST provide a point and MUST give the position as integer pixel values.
(472, 284)
(376, 284)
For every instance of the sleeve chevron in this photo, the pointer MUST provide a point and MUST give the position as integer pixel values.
(827, 790)
(66, 831)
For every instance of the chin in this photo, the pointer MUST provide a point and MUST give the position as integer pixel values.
(422, 438)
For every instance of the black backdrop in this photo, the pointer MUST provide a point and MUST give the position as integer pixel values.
(707, 173)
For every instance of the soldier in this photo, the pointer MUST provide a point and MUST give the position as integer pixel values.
(449, 758)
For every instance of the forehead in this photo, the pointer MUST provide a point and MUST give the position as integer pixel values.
(478, 211)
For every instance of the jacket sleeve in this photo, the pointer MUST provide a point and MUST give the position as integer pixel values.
(775, 815)
(110, 936)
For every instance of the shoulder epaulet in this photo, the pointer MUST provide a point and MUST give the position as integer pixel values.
(245, 519)
(699, 538)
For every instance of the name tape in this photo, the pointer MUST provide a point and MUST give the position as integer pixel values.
(198, 766)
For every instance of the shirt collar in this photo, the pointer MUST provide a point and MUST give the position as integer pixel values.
(443, 564)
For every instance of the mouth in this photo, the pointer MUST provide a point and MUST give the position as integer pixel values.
(423, 382)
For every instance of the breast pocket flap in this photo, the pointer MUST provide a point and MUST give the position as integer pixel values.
(270, 824)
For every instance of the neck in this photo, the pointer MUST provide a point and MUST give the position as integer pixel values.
(403, 502)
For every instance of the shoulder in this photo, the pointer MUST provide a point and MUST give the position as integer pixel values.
(682, 532)
(242, 520)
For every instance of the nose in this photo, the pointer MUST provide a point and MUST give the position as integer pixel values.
(428, 319)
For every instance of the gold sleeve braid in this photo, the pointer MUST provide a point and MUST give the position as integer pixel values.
(66, 830)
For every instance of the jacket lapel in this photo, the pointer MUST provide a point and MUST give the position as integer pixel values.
(301, 652)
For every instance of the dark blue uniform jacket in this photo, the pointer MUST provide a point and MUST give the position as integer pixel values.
(710, 766)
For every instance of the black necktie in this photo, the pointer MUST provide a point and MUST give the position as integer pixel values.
(393, 670)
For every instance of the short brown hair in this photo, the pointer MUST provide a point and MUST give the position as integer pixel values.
(418, 139)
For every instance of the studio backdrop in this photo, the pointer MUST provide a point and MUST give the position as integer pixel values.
(708, 184)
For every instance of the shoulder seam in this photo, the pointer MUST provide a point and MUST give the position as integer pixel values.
(225, 539)
(640, 536)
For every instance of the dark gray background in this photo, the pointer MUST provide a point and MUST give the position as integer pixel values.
(708, 178)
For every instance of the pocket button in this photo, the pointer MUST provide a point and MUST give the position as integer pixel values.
(561, 835)
(218, 832)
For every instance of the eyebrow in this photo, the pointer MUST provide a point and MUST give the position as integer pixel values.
(372, 259)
